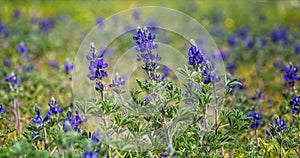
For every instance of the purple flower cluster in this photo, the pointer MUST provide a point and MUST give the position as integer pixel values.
(46, 25)
(231, 67)
(144, 40)
(145, 45)
(277, 127)
(169, 153)
(255, 117)
(39, 120)
(258, 95)
(68, 67)
(210, 75)
(295, 103)
(97, 64)
(280, 35)
(13, 79)
(76, 120)
(4, 30)
(196, 57)
(90, 154)
(6, 62)
(281, 125)
(117, 81)
(55, 65)
(22, 49)
(95, 138)
(2, 111)
(54, 107)
(290, 74)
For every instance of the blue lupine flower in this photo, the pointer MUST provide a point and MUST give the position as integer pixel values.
(13, 79)
(268, 133)
(148, 98)
(250, 43)
(46, 25)
(34, 134)
(2, 111)
(95, 138)
(54, 107)
(243, 33)
(255, 115)
(54, 64)
(144, 40)
(145, 45)
(232, 41)
(196, 57)
(231, 67)
(4, 30)
(76, 120)
(97, 64)
(168, 153)
(99, 86)
(166, 72)
(47, 118)
(280, 35)
(2, 27)
(7, 62)
(39, 120)
(210, 75)
(290, 74)
(68, 67)
(224, 54)
(297, 49)
(282, 125)
(255, 120)
(258, 95)
(148, 57)
(117, 81)
(90, 154)
(22, 48)
(295, 103)
(100, 21)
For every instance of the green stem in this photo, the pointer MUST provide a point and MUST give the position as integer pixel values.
(256, 137)
(45, 137)
(280, 152)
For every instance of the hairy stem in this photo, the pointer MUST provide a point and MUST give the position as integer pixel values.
(45, 137)
(256, 137)
(205, 117)
(18, 123)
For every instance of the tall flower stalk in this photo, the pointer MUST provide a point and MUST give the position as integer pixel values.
(96, 67)
(145, 45)
(14, 85)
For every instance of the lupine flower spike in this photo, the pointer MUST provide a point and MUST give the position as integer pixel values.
(96, 67)
(146, 45)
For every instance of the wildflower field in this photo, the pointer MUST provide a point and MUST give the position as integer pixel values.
(149, 79)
